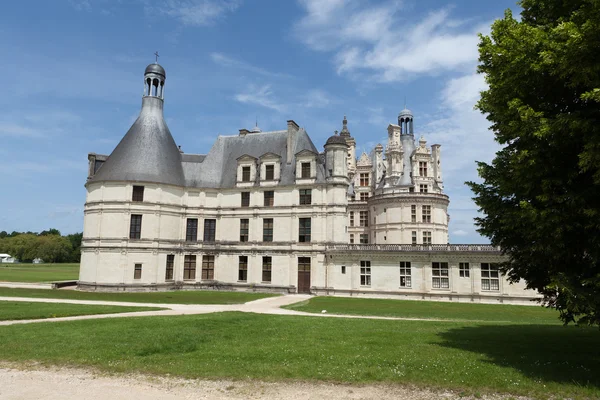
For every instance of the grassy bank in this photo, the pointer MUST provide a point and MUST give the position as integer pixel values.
(38, 272)
(17, 310)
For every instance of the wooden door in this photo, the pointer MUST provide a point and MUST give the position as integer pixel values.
(303, 274)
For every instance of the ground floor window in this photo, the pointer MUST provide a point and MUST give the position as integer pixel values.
(405, 280)
(243, 269)
(365, 273)
(490, 276)
(266, 269)
(170, 267)
(189, 267)
(208, 267)
(439, 272)
(463, 270)
(137, 272)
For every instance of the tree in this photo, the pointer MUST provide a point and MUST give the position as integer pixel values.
(75, 240)
(51, 231)
(541, 194)
(53, 248)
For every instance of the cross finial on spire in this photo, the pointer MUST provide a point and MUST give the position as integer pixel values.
(335, 132)
(405, 102)
(156, 54)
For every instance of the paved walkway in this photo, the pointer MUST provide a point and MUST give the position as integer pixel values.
(25, 285)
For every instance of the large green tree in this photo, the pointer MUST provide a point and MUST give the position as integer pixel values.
(541, 194)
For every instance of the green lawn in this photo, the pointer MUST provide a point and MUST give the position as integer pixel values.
(38, 272)
(429, 309)
(175, 297)
(520, 359)
(12, 310)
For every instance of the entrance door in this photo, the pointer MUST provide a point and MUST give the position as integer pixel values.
(303, 274)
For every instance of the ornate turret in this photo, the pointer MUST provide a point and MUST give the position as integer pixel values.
(336, 151)
(405, 120)
(345, 132)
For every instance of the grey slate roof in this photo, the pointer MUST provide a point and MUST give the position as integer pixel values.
(155, 68)
(408, 144)
(335, 139)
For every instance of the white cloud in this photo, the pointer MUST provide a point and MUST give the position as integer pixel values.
(261, 96)
(317, 98)
(226, 61)
(460, 232)
(194, 12)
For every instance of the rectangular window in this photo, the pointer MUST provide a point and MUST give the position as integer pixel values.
(266, 269)
(413, 213)
(191, 230)
(189, 267)
(243, 269)
(364, 179)
(423, 188)
(245, 199)
(426, 214)
(267, 229)
(304, 230)
(414, 237)
(305, 170)
(426, 237)
(351, 238)
(439, 275)
(135, 227)
(269, 198)
(138, 193)
(305, 196)
(269, 172)
(363, 218)
(422, 168)
(364, 196)
(364, 238)
(244, 228)
(343, 269)
(137, 271)
(245, 174)
(463, 270)
(304, 264)
(490, 276)
(210, 227)
(405, 280)
(208, 267)
(170, 267)
(351, 218)
(365, 273)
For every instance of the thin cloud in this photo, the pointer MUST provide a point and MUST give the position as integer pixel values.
(260, 96)
(226, 61)
(194, 12)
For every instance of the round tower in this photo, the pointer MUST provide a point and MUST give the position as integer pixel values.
(405, 120)
(336, 153)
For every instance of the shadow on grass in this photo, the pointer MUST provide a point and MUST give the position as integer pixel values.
(542, 352)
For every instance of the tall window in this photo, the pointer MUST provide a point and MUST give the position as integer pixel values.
(208, 267)
(135, 226)
(426, 237)
(266, 269)
(490, 276)
(463, 270)
(364, 179)
(426, 213)
(269, 198)
(137, 271)
(170, 267)
(351, 238)
(243, 269)
(365, 273)
(351, 218)
(245, 174)
(422, 168)
(269, 172)
(405, 280)
(268, 230)
(363, 218)
(210, 227)
(191, 230)
(245, 199)
(304, 230)
(305, 170)
(364, 196)
(413, 213)
(423, 188)
(439, 273)
(364, 238)
(189, 267)
(244, 228)
(414, 237)
(305, 196)
(138, 193)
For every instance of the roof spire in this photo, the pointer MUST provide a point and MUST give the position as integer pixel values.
(345, 131)
(156, 54)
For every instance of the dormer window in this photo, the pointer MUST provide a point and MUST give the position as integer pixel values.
(305, 170)
(270, 169)
(246, 171)
(269, 172)
(246, 174)
(306, 166)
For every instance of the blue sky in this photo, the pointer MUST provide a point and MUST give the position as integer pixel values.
(73, 83)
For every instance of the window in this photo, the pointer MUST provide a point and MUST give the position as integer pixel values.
(414, 237)
(210, 226)
(351, 218)
(423, 188)
(351, 238)
(405, 274)
(363, 218)
(169, 269)
(244, 228)
(364, 196)
(304, 264)
(490, 276)
(411, 189)
(364, 238)
(269, 198)
(305, 196)
(191, 230)
(266, 269)
(426, 213)
(208, 267)
(137, 271)
(268, 230)
(439, 272)
(343, 269)
(189, 267)
(422, 168)
(365, 273)
(426, 237)
(245, 199)
(135, 227)
(243, 269)
(305, 170)
(364, 179)
(269, 172)
(245, 174)
(304, 230)
(413, 213)
(138, 193)
(463, 270)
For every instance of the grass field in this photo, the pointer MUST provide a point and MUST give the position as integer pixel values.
(470, 358)
(176, 297)
(38, 272)
(13, 310)
(429, 309)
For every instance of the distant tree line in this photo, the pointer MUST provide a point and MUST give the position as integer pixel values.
(48, 245)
